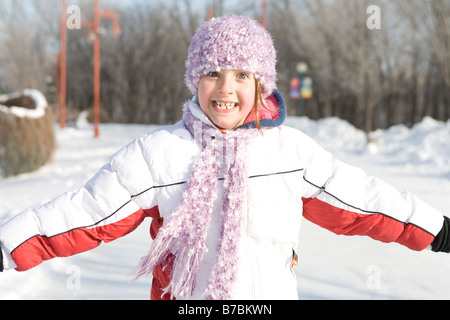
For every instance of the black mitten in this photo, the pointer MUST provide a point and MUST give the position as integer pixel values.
(441, 242)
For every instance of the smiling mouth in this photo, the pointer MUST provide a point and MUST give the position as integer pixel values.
(224, 105)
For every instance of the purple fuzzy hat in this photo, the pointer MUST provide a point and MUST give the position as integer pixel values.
(232, 42)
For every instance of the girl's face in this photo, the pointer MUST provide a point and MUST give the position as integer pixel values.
(227, 97)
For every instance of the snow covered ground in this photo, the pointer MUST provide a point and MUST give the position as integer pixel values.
(331, 266)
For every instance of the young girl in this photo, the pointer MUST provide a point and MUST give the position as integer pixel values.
(226, 187)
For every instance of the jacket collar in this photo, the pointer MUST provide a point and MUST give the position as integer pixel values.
(271, 115)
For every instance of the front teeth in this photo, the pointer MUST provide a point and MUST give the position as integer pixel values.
(222, 105)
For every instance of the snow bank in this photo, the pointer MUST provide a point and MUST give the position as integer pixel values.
(424, 149)
(36, 96)
(332, 133)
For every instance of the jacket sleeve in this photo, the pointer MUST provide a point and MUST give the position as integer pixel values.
(109, 206)
(344, 200)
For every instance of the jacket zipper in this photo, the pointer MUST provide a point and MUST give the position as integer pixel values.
(253, 266)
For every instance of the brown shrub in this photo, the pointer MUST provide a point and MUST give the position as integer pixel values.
(26, 143)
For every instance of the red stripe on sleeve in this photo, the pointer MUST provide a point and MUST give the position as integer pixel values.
(40, 248)
(375, 225)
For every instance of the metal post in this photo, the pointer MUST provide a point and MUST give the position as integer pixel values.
(96, 68)
(264, 13)
(210, 13)
(62, 67)
(301, 107)
(94, 28)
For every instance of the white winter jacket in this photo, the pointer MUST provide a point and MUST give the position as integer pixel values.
(290, 177)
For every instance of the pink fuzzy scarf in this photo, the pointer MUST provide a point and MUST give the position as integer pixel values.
(223, 157)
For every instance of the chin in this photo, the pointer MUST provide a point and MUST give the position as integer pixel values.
(225, 125)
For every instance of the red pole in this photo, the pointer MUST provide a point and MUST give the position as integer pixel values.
(94, 29)
(62, 76)
(263, 13)
(96, 67)
(210, 13)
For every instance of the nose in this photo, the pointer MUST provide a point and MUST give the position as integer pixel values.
(226, 84)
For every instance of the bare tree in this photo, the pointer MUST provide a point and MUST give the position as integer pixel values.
(432, 19)
(347, 55)
(26, 40)
(373, 78)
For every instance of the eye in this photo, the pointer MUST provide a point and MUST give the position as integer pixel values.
(243, 76)
(213, 74)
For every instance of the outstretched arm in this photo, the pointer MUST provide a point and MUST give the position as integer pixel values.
(344, 200)
(109, 206)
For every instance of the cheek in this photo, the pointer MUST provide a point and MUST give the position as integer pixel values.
(248, 99)
(204, 92)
